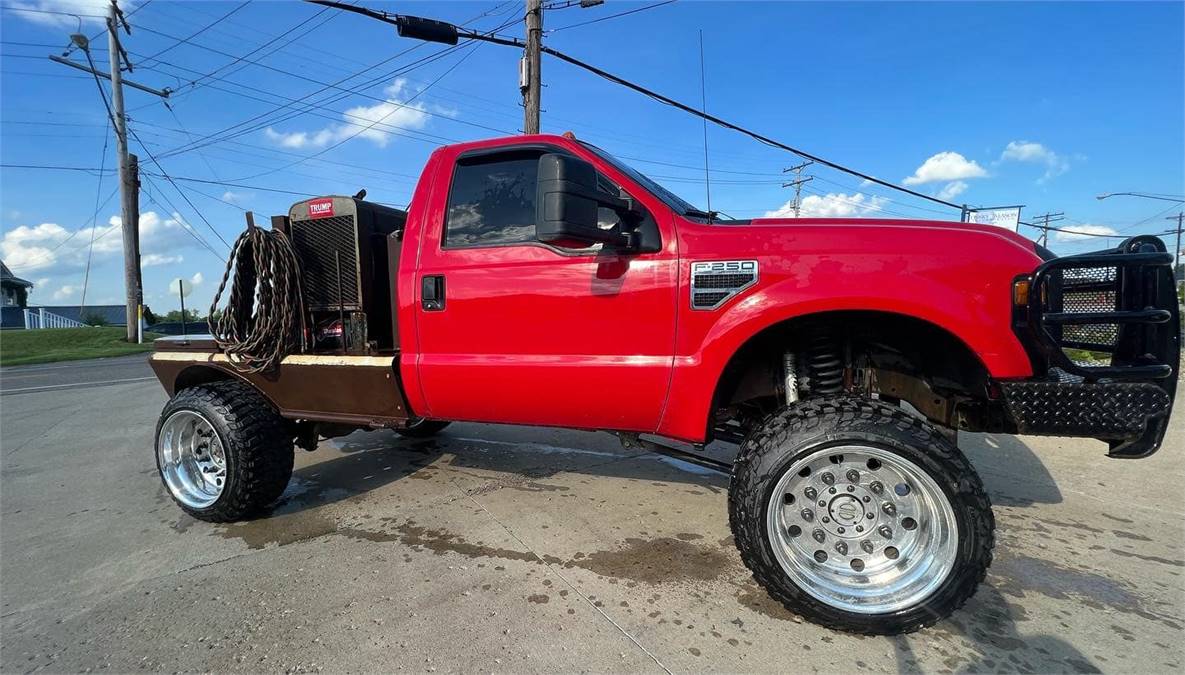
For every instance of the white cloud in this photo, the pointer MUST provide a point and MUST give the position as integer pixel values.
(197, 279)
(1081, 232)
(369, 122)
(57, 13)
(66, 292)
(1035, 153)
(952, 190)
(50, 246)
(945, 166)
(156, 259)
(237, 197)
(832, 205)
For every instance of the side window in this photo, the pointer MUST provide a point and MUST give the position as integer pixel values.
(492, 201)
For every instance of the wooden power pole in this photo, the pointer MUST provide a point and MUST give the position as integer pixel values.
(129, 184)
(530, 75)
(129, 168)
(1046, 219)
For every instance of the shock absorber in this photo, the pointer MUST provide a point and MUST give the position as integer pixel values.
(825, 365)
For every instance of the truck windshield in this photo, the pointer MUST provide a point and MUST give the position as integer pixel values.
(680, 205)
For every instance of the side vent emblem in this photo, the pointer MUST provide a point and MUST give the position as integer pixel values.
(713, 283)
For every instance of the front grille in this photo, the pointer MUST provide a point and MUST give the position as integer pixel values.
(1089, 290)
(316, 243)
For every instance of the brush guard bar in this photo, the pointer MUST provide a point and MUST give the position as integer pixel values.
(1120, 304)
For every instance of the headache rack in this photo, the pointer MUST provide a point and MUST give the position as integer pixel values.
(1119, 304)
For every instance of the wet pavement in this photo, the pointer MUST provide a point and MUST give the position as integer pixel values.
(510, 548)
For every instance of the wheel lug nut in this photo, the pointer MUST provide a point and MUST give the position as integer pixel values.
(859, 528)
(819, 535)
(822, 503)
(810, 493)
(841, 548)
(831, 490)
(827, 478)
(867, 499)
(867, 546)
(807, 515)
(853, 475)
(851, 488)
(840, 530)
(876, 487)
(889, 509)
(885, 531)
(826, 519)
(871, 516)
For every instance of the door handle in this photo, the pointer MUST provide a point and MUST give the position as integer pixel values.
(432, 293)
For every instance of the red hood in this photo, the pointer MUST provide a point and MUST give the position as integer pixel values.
(897, 223)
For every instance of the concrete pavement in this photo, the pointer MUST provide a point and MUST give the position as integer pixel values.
(510, 548)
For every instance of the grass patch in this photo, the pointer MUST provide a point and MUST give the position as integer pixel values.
(18, 347)
(1087, 355)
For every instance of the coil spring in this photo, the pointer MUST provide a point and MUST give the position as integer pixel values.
(825, 365)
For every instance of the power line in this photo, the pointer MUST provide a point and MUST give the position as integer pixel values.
(372, 124)
(201, 30)
(94, 221)
(611, 16)
(382, 78)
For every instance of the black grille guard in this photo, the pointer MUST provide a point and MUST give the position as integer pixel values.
(1122, 303)
(1135, 319)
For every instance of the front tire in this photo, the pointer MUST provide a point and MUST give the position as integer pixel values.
(223, 452)
(859, 516)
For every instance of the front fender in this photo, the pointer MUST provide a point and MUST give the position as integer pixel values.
(977, 313)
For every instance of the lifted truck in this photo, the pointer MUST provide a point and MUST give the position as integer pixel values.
(537, 280)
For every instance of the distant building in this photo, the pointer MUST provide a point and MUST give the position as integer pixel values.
(15, 290)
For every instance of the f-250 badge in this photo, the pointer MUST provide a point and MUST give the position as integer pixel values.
(714, 282)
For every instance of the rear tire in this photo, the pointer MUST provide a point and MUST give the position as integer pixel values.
(223, 452)
(422, 428)
(857, 464)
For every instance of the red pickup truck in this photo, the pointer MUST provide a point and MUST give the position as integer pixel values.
(537, 280)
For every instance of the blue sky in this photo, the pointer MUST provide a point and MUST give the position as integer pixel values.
(1045, 105)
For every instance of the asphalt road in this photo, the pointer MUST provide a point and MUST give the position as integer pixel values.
(509, 548)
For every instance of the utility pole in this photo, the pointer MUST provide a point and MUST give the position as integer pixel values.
(1180, 218)
(129, 171)
(129, 183)
(1046, 219)
(530, 74)
(797, 183)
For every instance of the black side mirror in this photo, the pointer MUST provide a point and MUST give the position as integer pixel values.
(566, 203)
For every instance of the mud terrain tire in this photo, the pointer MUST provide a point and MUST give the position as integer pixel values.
(803, 430)
(257, 445)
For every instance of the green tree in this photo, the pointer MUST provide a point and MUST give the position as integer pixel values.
(191, 316)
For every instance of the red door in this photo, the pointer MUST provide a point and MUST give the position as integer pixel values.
(533, 334)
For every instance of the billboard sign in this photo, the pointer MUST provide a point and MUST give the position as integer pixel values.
(1007, 217)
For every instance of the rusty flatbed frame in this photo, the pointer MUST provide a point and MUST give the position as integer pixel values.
(342, 389)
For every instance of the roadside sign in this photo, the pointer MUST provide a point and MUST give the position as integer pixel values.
(1007, 217)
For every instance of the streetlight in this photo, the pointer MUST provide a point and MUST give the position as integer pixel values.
(1180, 218)
(1145, 195)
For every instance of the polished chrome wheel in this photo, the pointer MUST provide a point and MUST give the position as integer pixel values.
(862, 529)
(191, 458)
